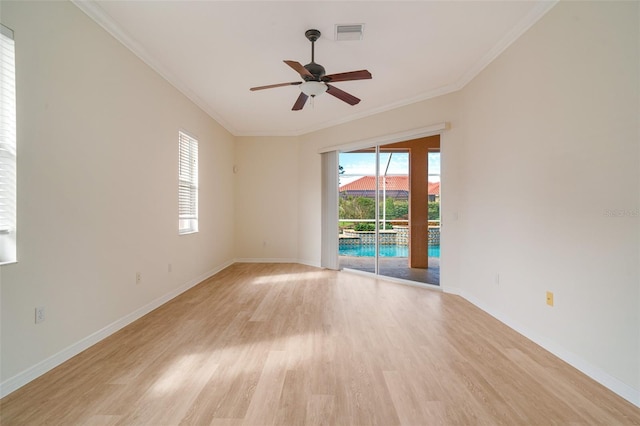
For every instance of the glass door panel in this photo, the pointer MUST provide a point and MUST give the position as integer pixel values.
(393, 205)
(357, 237)
(434, 215)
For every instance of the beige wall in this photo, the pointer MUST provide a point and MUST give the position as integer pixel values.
(97, 181)
(266, 220)
(543, 143)
(552, 146)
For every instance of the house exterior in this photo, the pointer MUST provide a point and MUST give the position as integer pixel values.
(396, 187)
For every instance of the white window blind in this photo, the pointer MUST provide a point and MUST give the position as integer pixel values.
(187, 184)
(7, 147)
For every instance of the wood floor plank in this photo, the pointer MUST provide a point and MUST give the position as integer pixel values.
(102, 420)
(266, 397)
(411, 410)
(320, 410)
(169, 398)
(289, 344)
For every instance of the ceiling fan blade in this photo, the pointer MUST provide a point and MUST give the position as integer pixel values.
(347, 76)
(302, 99)
(293, 83)
(342, 95)
(297, 66)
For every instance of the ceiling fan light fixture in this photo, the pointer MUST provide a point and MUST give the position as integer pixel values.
(313, 88)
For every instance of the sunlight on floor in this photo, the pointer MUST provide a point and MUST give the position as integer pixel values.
(195, 370)
(181, 374)
(295, 276)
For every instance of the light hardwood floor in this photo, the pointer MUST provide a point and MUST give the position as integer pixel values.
(262, 344)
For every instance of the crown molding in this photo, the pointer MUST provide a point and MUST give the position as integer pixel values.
(96, 13)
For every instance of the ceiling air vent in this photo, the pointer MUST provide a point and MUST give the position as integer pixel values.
(349, 32)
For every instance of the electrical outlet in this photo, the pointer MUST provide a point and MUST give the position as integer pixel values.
(497, 278)
(39, 314)
(138, 277)
(549, 298)
(169, 268)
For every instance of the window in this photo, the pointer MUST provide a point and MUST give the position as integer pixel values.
(7, 147)
(187, 184)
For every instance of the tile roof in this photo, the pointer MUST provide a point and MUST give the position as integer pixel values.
(393, 183)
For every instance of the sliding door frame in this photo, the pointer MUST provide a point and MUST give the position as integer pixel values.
(329, 236)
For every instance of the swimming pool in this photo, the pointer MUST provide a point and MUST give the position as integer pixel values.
(364, 250)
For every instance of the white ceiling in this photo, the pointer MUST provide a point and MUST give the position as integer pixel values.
(214, 51)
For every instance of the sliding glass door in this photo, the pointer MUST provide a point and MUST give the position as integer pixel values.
(374, 210)
(388, 201)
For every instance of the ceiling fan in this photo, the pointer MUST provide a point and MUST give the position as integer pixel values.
(315, 81)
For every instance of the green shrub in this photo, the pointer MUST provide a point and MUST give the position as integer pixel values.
(364, 226)
(368, 227)
(434, 211)
(357, 208)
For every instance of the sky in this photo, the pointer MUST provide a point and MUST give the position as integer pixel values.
(357, 165)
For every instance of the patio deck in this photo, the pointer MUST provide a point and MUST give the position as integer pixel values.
(396, 267)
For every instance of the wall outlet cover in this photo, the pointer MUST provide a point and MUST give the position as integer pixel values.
(549, 298)
(40, 314)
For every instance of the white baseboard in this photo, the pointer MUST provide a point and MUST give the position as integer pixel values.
(309, 263)
(620, 388)
(21, 379)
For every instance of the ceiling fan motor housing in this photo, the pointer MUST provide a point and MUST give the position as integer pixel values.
(316, 69)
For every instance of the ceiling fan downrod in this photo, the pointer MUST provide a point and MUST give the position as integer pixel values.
(312, 36)
(316, 69)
